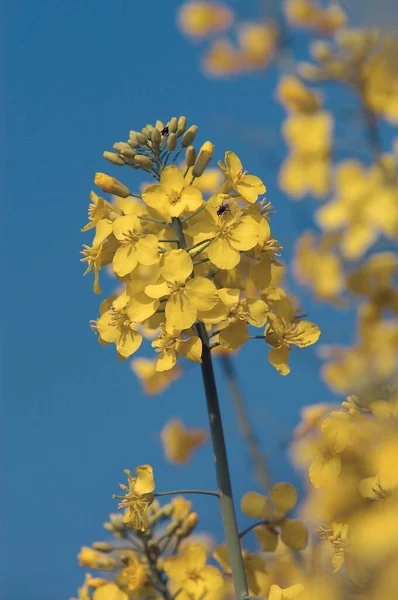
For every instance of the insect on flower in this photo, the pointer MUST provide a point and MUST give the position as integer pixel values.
(165, 131)
(222, 209)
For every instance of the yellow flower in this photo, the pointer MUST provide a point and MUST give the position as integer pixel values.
(258, 579)
(134, 576)
(309, 13)
(306, 169)
(290, 593)
(97, 257)
(249, 187)
(111, 185)
(199, 19)
(227, 234)
(98, 209)
(257, 42)
(135, 247)
(138, 498)
(180, 442)
(297, 97)
(380, 79)
(192, 574)
(239, 313)
(171, 197)
(284, 330)
(172, 345)
(337, 534)
(115, 326)
(110, 591)
(153, 381)
(96, 560)
(222, 59)
(185, 295)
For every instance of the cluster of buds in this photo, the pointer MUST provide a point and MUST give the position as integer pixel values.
(193, 271)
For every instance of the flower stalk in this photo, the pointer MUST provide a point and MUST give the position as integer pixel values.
(227, 507)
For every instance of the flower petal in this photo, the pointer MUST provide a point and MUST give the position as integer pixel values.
(202, 293)
(176, 265)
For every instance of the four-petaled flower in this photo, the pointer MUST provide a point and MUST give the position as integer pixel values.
(138, 498)
(249, 187)
(171, 197)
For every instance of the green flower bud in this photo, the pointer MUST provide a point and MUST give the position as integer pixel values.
(142, 140)
(115, 159)
(159, 125)
(190, 156)
(143, 161)
(146, 133)
(172, 141)
(189, 136)
(155, 136)
(204, 157)
(119, 146)
(172, 125)
(102, 546)
(181, 126)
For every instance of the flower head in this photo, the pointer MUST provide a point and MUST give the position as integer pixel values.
(138, 498)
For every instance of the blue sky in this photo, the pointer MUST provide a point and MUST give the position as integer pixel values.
(79, 75)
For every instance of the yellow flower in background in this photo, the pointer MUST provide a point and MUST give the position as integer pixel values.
(96, 560)
(318, 266)
(200, 19)
(172, 196)
(171, 345)
(190, 571)
(209, 182)
(257, 43)
(138, 498)
(258, 578)
(307, 168)
(153, 381)
(380, 79)
(248, 187)
(337, 534)
(110, 591)
(296, 97)
(134, 575)
(309, 13)
(289, 593)
(185, 295)
(222, 59)
(180, 442)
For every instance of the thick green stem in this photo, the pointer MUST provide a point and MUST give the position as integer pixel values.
(220, 455)
(257, 456)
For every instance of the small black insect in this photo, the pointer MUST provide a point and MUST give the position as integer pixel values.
(165, 131)
(222, 209)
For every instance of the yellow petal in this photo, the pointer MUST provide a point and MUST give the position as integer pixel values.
(284, 497)
(245, 235)
(180, 313)
(222, 255)
(260, 273)
(258, 311)
(191, 197)
(324, 470)
(267, 537)
(166, 360)
(123, 225)
(176, 265)
(147, 250)
(233, 164)
(234, 335)
(294, 534)
(141, 307)
(305, 334)
(103, 229)
(157, 290)
(202, 293)
(254, 505)
(278, 358)
(191, 349)
(110, 591)
(172, 179)
(128, 343)
(144, 483)
(125, 260)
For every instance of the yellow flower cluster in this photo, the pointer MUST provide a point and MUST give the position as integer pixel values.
(312, 15)
(192, 271)
(354, 454)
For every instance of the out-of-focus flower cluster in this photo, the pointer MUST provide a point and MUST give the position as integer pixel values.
(156, 552)
(352, 456)
(192, 270)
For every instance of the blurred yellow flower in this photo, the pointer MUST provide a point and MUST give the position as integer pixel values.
(110, 591)
(134, 575)
(200, 19)
(96, 560)
(309, 13)
(179, 442)
(297, 97)
(222, 59)
(192, 574)
(257, 42)
(290, 593)
(153, 381)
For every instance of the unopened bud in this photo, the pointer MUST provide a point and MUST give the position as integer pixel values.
(156, 136)
(159, 125)
(189, 525)
(172, 125)
(204, 157)
(102, 546)
(181, 126)
(111, 185)
(189, 136)
(146, 132)
(142, 140)
(172, 141)
(115, 159)
(120, 146)
(128, 153)
(190, 156)
(144, 161)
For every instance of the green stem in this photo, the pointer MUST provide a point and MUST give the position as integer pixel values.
(154, 221)
(176, 492)
(258, 458)
(197, 211)
(253, 526)
(220, 454)
(198, 244)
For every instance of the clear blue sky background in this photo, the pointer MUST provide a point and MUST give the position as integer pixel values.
(78, 75)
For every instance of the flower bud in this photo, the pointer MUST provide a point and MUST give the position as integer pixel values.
(189, 525)
(172, 125)
(120, 146)
(146, 132)
(128, 153)
(190, 156)
(102, 546)
(159, 125)
(142, 140)
(115, 159)
(144, 161)
(111, 185)
(133, 142)
(172, 141)
(204, 157)
(189, 136)
(156, 136)
(181, 125)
